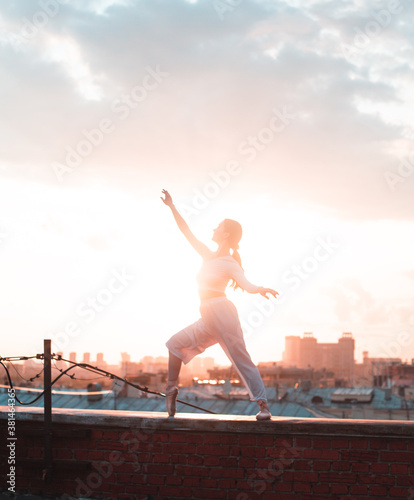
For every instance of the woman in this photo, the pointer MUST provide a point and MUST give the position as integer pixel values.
(219, 322)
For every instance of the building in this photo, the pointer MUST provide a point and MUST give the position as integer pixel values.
(307, 352)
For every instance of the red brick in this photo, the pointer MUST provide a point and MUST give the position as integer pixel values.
(164, 459)
(187, 470)
(281, 496)
(211, 460)
(127, 467)
(300, 476)
(360, 467)
(401, 493)
(110, 445)
(111, 435)
(96, 455)
(358, 444)
(380, 491)
(227, 484)
(259, 452)
(176, 438)
(247, 440)
(212, 438)
(389, 480)
(171, 491)
(358, 489)
(203, 449)
(322, 443)
(324, 454)
(323, 465)
(360, 455)
(97, 434)
(228, 461)
(365, 478)
(282, 486)
(303, 487)
(397, 456)
(142, 490)
(208, 482)
(208, 493)
(160, 469)
(181, 448)
(303, 442)
(378, 444)
(179, 459)
(195, 438)
(230, 473)
(302, 465)
(399, 469)
(397, 445)
(123, 478)
(339, 489)
(235, 451)
(341, 465)
(284, 442)
(265, 463)
(156, 479)
(340, 443)
(247, 462)
(286, 454)
(264, 440)
(380, 468)
(177, 481)
(337, 477)
(321, 488)
(405, 481)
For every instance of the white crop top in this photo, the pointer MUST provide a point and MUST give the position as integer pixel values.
(216, 273)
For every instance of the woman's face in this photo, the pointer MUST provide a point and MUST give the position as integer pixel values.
(219, 234)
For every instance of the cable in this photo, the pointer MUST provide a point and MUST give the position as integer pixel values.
(142, 389)
(76, 378)
(93, 369)
(11, 387)
(26, 379)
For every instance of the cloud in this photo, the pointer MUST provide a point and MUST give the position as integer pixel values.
(353, 304)
(224, 79)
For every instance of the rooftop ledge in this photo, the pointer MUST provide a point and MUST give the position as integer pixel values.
(217, 423)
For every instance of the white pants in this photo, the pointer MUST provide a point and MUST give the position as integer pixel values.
(219, 323)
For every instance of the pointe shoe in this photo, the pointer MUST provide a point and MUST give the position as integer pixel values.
(264, 413)
(170, 399)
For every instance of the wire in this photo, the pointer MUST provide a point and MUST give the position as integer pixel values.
(85, 366)
(26, 379)
(77, 378)
(143, 389)
(11, 387)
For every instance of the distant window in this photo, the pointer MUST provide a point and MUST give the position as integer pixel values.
(317, 400)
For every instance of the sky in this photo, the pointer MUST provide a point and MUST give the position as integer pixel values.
(292, 117)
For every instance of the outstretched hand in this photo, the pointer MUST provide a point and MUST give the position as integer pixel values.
(167, 200)
(263, 291)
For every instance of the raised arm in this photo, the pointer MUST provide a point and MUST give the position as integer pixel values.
(200, 247)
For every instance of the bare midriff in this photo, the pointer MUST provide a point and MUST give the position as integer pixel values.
(210, 294)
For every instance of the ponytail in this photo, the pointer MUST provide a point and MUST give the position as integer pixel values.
(236, 256)
(235, 234)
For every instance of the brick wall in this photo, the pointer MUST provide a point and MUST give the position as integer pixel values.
(109, 454)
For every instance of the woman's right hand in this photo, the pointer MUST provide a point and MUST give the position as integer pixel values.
(167, 200)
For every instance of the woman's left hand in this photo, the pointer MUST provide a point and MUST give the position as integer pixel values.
(263, 291)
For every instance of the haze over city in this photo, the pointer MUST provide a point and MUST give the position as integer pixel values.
(294, 118)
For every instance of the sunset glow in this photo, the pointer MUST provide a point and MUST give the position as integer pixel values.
(270, 114)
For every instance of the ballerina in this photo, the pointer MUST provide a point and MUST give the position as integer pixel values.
(219, 322)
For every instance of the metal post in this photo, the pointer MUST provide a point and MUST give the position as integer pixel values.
(47, 380)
